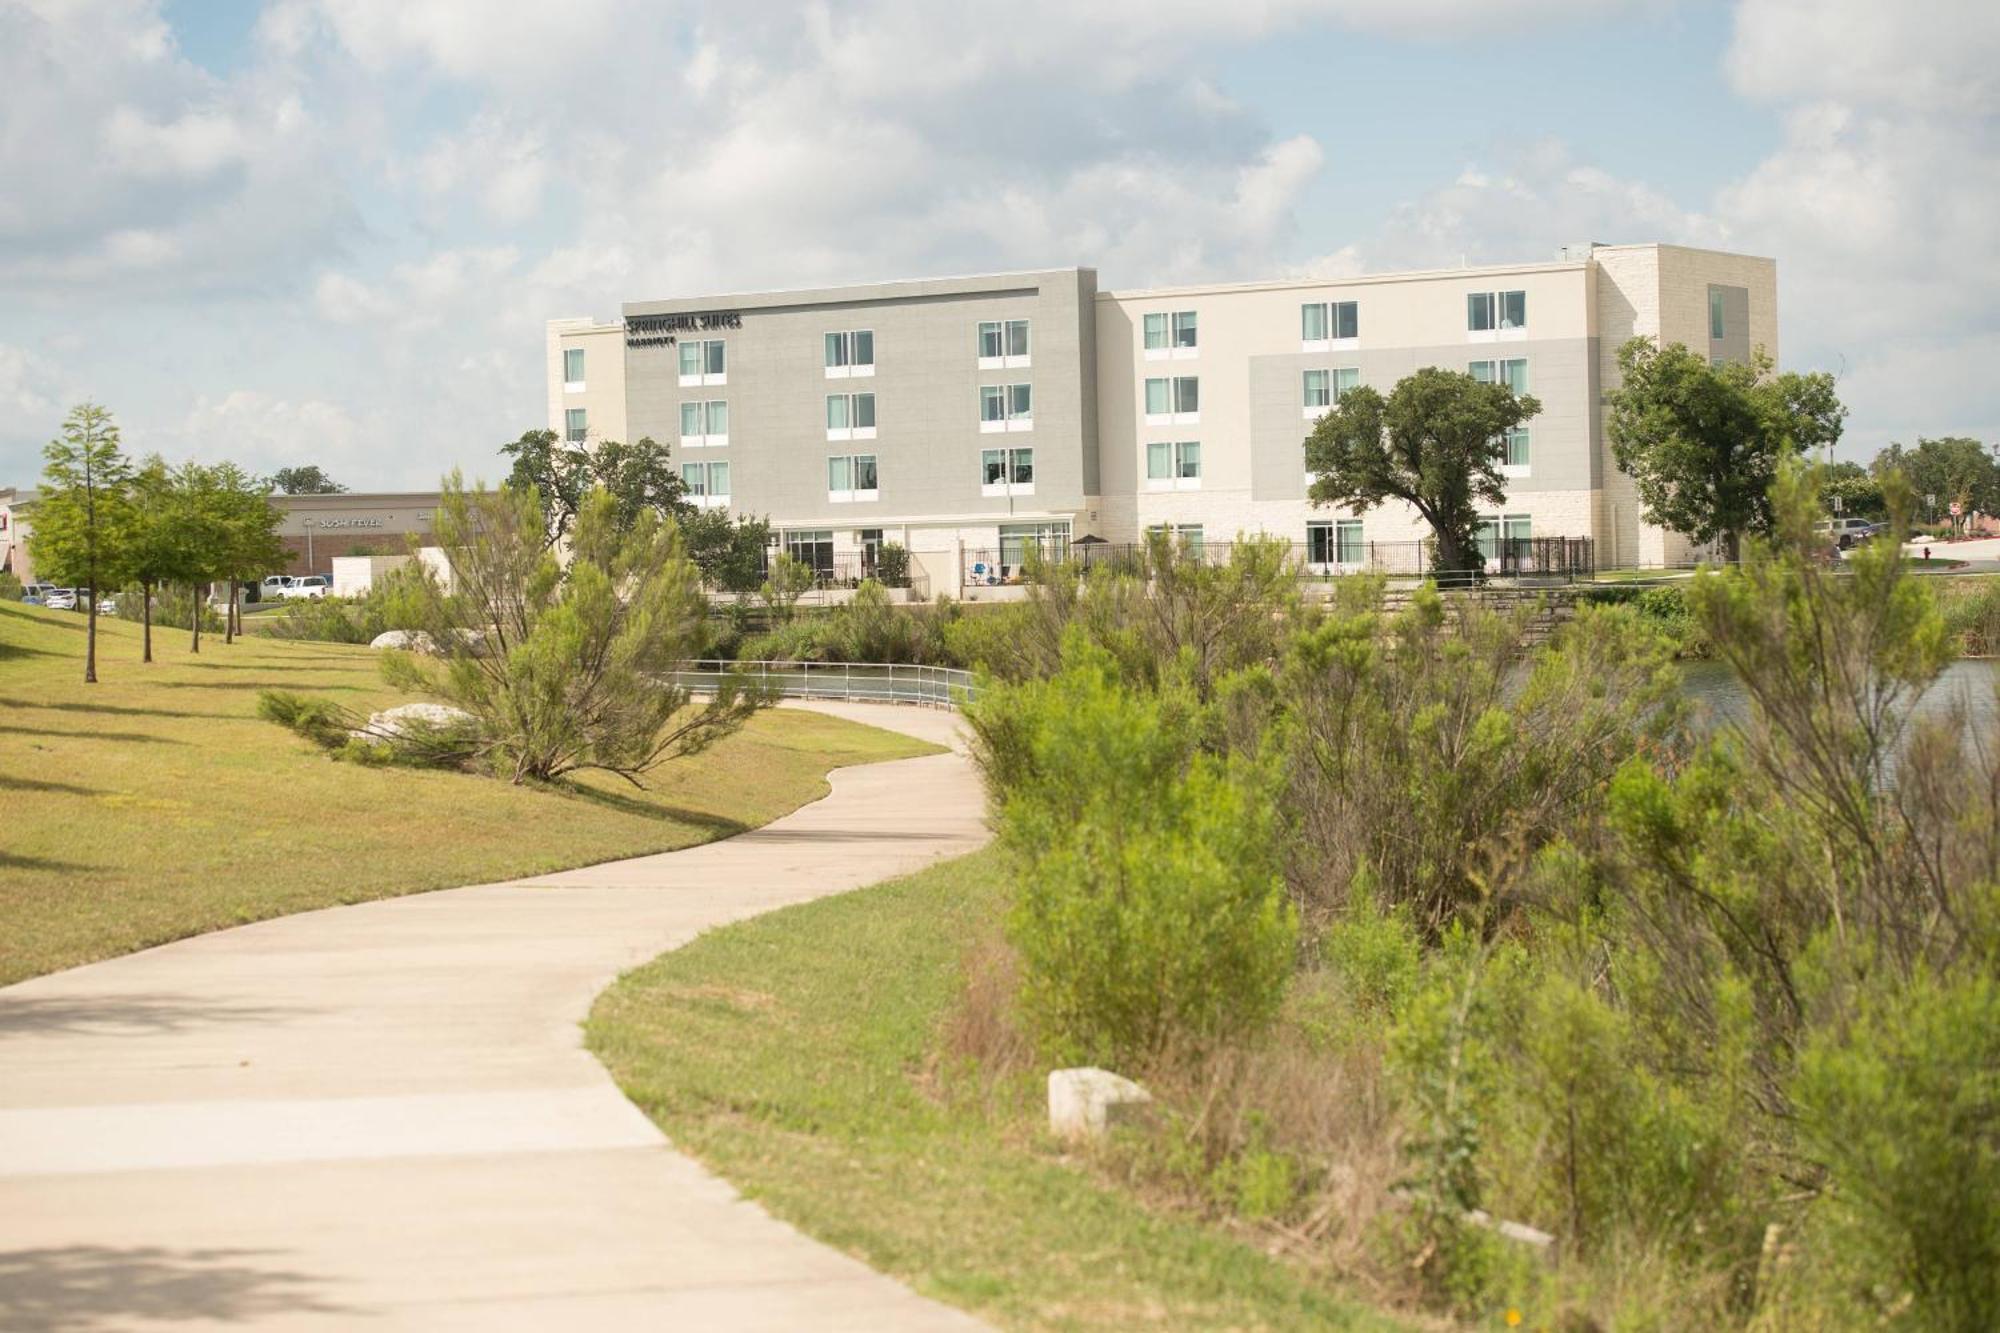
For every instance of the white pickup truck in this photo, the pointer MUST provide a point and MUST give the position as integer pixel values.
(293, 587)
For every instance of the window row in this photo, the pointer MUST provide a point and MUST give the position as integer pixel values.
(849, 416)
(854, 478)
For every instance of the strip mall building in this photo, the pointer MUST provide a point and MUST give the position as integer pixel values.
(968, 417)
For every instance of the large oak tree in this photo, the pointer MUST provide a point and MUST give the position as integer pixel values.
(1702, 441)
(1437, 443)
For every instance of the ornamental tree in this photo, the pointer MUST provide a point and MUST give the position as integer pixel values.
(83, 519)
(566, 666)
(1702, 441)
(1436, 443)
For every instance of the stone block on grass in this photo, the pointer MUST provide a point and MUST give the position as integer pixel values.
(1085, 1103)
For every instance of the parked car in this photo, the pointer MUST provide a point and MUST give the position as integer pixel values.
(107, 605)
(60, 599)
(36, 593)
(309, 586)
(1845, 532)
(270, 589)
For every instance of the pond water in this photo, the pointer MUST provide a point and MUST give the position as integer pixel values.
(1719, 697)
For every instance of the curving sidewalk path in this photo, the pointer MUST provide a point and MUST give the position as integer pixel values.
(382, 1116)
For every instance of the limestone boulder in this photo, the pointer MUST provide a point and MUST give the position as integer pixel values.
(1085, 1103)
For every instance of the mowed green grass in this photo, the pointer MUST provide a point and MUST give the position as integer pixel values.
(792, 1054)
(156, 804)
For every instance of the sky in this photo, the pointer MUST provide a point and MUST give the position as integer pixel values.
(332, 231)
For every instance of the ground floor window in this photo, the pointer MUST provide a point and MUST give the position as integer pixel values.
(1187, 534)
(1019, 540)
(870, 542)
(812, 547)
(1334, 543)
(1505, 536)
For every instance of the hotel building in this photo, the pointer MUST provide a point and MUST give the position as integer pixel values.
(968, 417)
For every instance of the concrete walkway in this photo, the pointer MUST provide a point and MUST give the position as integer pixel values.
(381, 1116)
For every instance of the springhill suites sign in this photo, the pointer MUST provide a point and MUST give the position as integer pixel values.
(665, 330)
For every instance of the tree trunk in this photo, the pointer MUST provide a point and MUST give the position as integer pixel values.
(229, 616)
(194, 598)
(90, 635)
(146, 615)
(1731, 546)
(236, 606)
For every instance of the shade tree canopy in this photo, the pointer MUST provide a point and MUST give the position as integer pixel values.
(1436, 442)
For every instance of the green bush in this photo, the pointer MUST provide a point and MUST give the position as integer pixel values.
(1903, 1110)
(10, 587)
(892, 565)
(1152, 914)
(325, 620)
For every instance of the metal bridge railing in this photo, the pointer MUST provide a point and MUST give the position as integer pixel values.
(858, 682)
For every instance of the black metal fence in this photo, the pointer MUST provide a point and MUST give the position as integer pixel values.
(1551, 559)
(848, 569)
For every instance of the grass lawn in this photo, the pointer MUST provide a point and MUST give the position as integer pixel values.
(789, 1053)
(156, 804)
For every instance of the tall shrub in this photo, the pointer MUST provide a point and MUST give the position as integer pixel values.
(1152, 912)
(565, 666)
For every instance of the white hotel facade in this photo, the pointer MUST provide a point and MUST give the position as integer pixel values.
(966, 417)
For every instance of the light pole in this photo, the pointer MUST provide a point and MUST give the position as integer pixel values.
(308, 525)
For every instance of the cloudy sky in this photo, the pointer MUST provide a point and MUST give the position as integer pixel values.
(331, 230)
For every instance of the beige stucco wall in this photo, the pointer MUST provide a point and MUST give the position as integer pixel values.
(603, 394)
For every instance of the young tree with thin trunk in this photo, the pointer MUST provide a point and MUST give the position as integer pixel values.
(158, 547)
(83, 519)
(1702, 441)
(1437, 443)
(201, 515)
(249, 543)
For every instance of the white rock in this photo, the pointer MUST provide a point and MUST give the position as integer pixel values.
(393, 721)
(1084, 1103)
(415, 641)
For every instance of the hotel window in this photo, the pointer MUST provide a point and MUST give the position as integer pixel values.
(1491, 312)
(1173, 465)
(851, 477)
(1007, 472)
(574, 427)
(1513, 373)
(1006, 407)
(851, 353)
(705, 424)
(1504, 536)
(1715, 322)
(702, 362)
(1170, 333)
(707, 483)
(572, 369)
(1184, 534)
(1323, 388)
(1018, 541)
(1334, 543)
(1176, 400)
(1003, 343)
(812, 547)
(1323, 323)
(850, 416)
